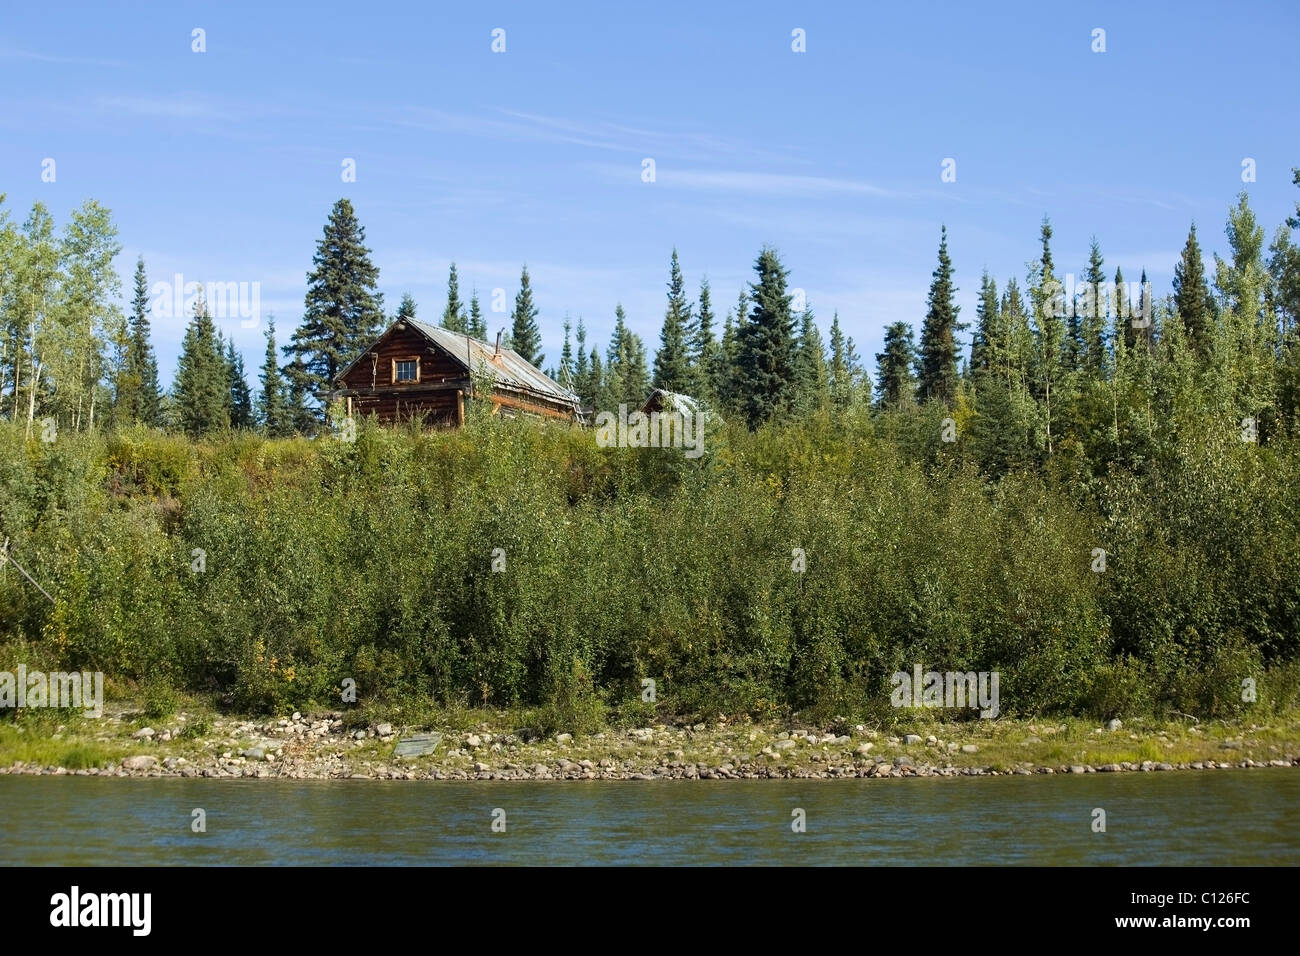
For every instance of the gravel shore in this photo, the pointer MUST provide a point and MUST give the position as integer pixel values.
(321, 746)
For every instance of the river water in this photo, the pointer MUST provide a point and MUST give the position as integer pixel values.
(1189, 818)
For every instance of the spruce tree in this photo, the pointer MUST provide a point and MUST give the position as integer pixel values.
(939, 351)
(724, 377)
(1004, 430)
(272, 405)
(858, 380)
(202, 378)
(895, 385)
(582, 365)
(1146, 309)
(1192, 298)
(673, 360)
(595, 390)
(1122, 331)
(1050, 336)
(839, 373)
(142, 403)
(453, 316)
(626, 378)
(343, 309)
(635, 371)
(405, 309)
(566, 358)
(611, 385)
(988, 341)
(727, 384)
(706, 352)
(765, 359)
(812, 382)
(1018, 335)
(241, 398)
(476, 325)
(298, 388)
(525, 338)
(1092, 323)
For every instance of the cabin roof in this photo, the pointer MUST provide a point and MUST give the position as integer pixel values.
(663, 400)
(508, 369)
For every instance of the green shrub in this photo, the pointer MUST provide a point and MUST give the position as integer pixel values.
(160, 700)
(268, 572)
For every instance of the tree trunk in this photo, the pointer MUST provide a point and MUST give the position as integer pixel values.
(31, 393)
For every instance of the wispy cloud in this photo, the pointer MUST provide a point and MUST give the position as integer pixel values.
(771, 183)
(186, 105)
(611, 136)
(167, 105)
(31, 56)
(489, 125)
(746, 181)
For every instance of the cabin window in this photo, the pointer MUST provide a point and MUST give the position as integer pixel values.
(406, 370)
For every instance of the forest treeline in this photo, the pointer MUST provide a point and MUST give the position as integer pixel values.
(1055, 365)
(1101, 501)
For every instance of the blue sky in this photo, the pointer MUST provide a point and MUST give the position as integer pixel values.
(223, 165)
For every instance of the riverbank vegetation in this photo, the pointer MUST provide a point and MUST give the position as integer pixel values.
(511, 563)
(1101, 503)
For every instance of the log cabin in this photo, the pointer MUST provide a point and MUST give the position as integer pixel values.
(423, 372)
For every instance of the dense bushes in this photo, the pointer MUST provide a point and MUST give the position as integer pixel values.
(270, 571)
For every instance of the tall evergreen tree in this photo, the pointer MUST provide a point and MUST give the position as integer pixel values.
(858, 377)
(1146, 309)
(840, 372)
(987, 342)
(812, 382)
(202, 383)
(706, 352)
(272, 404)
(724, 378)
(476, 325)
(634, 371)
(1091, 345)
(582, 366)
(453, 316)
(1019, 341)
(673, 360)
(241, 398)
(895, 385)
(141, 400)
(298, 389)
(566, 358)
(939, 351)
(616, 352)
(525, 338)
(1123, 334)
(594, 391)
(343, 309)
(1051, 334)
(765, 360)
(727, 386)
(626, 378)
(1192, 298)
